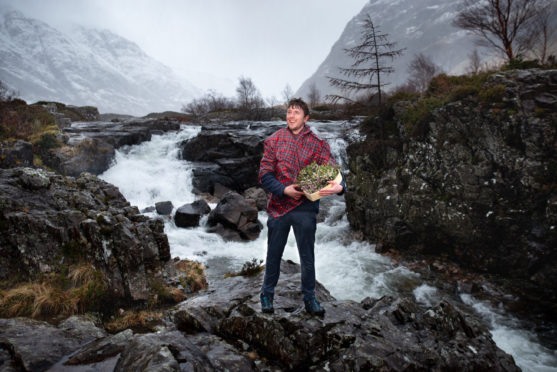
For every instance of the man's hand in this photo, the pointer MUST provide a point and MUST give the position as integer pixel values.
(335, 189)
(293, 191)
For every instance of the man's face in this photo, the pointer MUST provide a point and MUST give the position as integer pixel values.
(296, 119)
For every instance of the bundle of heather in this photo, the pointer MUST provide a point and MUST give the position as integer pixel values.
(314, 177)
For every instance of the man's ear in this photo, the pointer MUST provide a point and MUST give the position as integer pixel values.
(306, 118)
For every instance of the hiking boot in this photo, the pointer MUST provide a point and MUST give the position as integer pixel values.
(267, 303)
(313, 307)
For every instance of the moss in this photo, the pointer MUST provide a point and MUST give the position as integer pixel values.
(74, 251)
(416, 117)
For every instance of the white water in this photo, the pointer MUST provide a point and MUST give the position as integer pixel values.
(151, 172)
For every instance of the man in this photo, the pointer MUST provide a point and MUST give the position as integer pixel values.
(286, 153)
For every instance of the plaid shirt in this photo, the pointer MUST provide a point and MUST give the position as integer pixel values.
(285, 155)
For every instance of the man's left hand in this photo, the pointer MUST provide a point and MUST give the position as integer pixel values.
(335, 189)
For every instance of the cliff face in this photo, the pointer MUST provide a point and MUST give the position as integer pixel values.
(476, 181)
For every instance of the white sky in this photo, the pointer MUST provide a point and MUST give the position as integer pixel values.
(274, 42)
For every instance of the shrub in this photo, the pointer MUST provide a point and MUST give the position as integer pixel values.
(250, 268)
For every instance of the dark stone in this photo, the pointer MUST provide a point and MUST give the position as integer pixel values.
(257, 196)
(148, 209)
(189, 215)
(235, 213)
(47, 219)
(476, 184)
(16, 154)
(164, 208)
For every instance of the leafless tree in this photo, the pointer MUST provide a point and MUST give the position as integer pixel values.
(502, 24)
(248, 95)
(543, 31)
(210, 102)
(369, 63)
(313, 95)
(421, 70)
(287, 93)
(6, 94)
(475, 62)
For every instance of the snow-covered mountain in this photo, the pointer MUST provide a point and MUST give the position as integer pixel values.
(419, 26)
(85, 67)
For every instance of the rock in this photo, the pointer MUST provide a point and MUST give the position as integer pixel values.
(257, 196)
(475, 183)
(188, 215)
(38, 345)
(48, 220)
(164, 208)
(91, 145)
(384, 334)
(16, 154)
(228, 154)
(148, 209)
(102, 349)
(233, 212)
(220, 190)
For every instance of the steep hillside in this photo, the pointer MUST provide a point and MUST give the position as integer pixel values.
(86, 67)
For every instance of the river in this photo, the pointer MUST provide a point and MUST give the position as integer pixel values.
(348, 268)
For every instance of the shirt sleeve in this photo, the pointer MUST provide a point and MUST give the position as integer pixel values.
(271, 184)
(269, 159)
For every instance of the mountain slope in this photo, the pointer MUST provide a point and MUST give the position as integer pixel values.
(419, 26)
(88, 67)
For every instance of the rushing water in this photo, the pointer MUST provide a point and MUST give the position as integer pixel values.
(349, 269)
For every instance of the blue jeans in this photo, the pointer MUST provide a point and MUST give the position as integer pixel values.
(303, 221)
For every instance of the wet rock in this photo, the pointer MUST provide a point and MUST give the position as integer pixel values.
(16, 154)
(188, 215)
(37, 345)
(164, 208)
(384, 334)
(102, 349)
(48, 220)
(235, 213)
(229, 154)
(257, 196)
(475, 182)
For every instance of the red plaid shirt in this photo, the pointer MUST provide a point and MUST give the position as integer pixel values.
(285, 155)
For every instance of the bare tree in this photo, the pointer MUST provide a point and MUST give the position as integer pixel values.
(422, 69)
(313, 95)
(210, 102)
(248, 96)
(368, 67)
(502, 24)
(542, 32)
(6, 94)
(475, 62)
(287, 93)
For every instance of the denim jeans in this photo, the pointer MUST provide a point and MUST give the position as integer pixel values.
(303, 221)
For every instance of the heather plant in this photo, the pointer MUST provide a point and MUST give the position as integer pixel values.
(314, 176)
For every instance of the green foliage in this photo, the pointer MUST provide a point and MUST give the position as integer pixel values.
(314, 177)
(415, 118)
(48, 141)
(492, 94)
(519, 63)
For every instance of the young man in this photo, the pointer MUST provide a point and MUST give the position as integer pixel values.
(286, 153)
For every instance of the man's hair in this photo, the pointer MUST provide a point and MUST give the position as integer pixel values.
(298, 102)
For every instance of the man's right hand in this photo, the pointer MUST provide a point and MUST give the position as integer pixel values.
(293, 191)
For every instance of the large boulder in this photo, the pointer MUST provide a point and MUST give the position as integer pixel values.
(229, 154)
(188, 215)
(48, 220)
(234, 218)
(476, 182)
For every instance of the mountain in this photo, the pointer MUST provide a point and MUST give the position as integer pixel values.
(419, 26)
(85, 67)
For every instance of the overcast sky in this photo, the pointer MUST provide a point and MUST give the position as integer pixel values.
(274, 42)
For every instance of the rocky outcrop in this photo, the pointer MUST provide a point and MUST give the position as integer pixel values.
(234, 218)
(228, 154)
(16, 154)
(476, 181)
(91, 145)
(223, 329)
(48, 220)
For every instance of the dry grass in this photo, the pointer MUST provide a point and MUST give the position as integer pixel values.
(81, 290)
(195, 278)
(142, 321)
